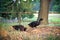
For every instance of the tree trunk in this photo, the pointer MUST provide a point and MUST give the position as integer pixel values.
(18, 13)
(44, 11)
(19, 18)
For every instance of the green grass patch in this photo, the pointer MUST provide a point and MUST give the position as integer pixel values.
(51, 37)
(55, 20)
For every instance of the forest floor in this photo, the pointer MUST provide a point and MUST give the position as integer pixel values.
(42, 32)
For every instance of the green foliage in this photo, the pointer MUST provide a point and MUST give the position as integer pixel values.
(56, 6)
(23, 6)
(6, 5)
(24, 15)
(5, 15)
(30, 16)
(13, 15)
(8, 15)
(10, 6)
(27, 15)
(26, 5)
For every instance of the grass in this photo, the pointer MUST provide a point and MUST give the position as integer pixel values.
(14, 34)
(53, 19)
(55, 22)
(53, 37)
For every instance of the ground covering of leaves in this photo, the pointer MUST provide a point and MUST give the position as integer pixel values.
(39, 33)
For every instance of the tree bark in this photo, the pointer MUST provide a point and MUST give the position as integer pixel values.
(44, 11)
(19, 18)
(18, 13)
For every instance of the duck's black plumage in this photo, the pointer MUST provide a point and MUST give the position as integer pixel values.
(35, 23)
(19, 27)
